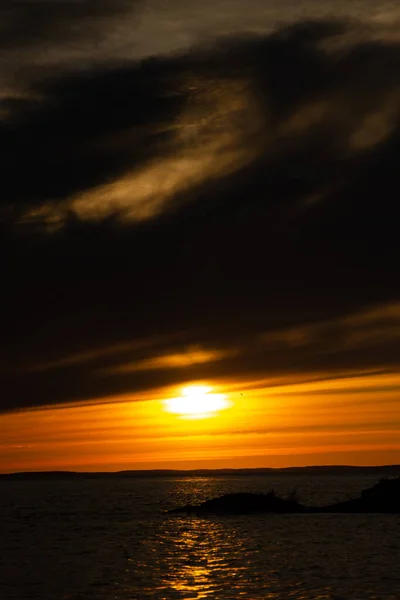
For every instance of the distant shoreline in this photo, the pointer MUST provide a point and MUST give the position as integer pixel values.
(339, 470)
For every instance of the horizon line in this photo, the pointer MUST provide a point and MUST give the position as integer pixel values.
(233, 470)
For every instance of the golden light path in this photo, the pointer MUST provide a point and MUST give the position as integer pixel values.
(197, 402)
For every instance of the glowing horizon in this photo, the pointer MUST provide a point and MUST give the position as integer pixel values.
(347, 421)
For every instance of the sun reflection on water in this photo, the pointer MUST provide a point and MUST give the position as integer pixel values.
(201, 559)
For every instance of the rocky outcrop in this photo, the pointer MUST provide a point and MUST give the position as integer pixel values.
(383, 497)
(243, 503)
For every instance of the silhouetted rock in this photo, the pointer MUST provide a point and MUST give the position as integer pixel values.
(383, 497)
(243, 503)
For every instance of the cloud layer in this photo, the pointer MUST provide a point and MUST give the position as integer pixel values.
(236, 204)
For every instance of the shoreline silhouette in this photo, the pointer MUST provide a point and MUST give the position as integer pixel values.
(317, 470)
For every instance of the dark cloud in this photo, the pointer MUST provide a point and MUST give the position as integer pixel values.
(362, 344)
(32, 23)
(289, 227)
(75, 138)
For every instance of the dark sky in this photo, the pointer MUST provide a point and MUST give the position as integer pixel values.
(239, 199)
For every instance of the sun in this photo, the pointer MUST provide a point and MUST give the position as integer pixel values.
(197, 402)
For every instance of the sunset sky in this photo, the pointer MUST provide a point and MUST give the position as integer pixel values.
(199, 234)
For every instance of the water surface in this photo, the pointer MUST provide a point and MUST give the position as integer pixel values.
(108, 539)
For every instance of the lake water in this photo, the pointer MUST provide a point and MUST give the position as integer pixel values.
(108, 540)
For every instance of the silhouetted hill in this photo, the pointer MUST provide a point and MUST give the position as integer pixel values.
(340, 470)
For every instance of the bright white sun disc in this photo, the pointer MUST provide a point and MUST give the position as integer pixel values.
(196, 401)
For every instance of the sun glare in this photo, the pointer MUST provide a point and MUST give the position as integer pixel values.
(197, 402)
